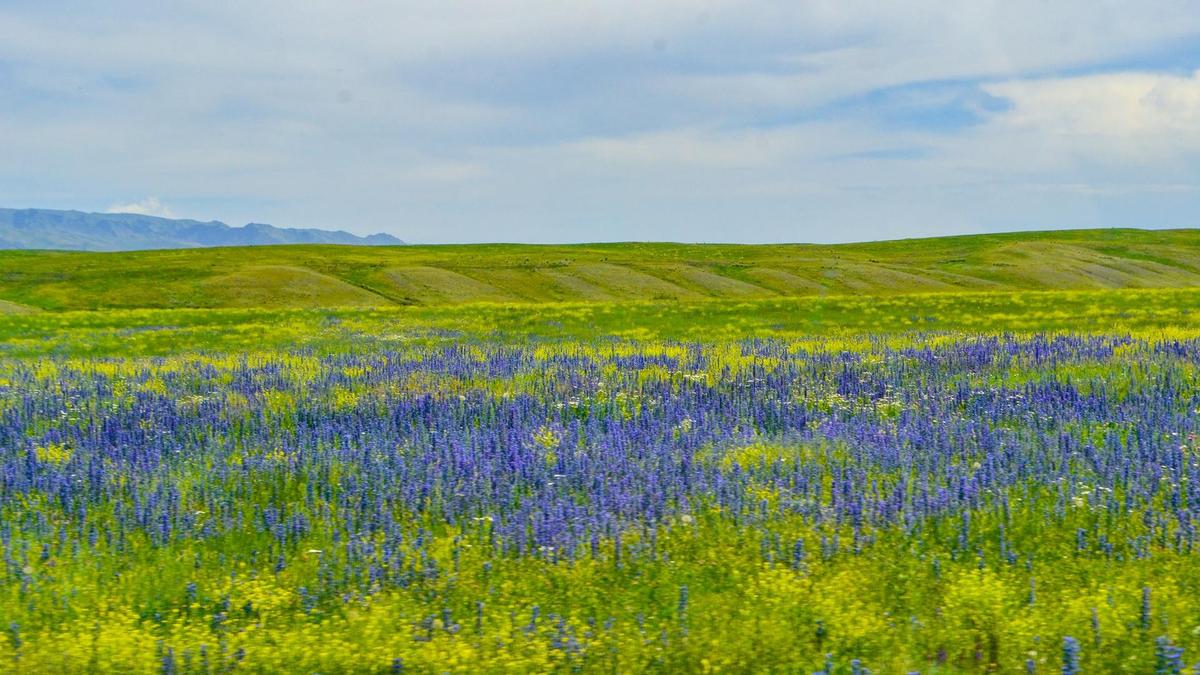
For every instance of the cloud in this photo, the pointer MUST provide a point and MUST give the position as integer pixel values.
(1132, 106)
(1115, 190)
(622, 119)
(693, 148)
(150, 206)
(446, 171)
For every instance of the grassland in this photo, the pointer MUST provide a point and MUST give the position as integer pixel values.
(346, 276)
(1152, 313)
(976, 455)
(472, 489)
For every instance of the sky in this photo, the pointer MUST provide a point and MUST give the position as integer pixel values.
(608, 120)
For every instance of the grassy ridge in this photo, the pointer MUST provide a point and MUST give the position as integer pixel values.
(344, 276)
(1152, 313)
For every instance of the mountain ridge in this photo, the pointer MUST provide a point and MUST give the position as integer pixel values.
(70, 230)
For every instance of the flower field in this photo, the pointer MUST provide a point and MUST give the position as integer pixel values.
(957, 502)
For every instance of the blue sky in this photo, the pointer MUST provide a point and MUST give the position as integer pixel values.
(545, 121)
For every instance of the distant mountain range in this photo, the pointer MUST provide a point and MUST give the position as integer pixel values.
(79, 231)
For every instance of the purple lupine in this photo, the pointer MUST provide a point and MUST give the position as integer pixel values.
(1168, 659)
(956, 452)
(1070, 656)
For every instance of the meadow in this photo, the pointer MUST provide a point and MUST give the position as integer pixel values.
(1002, 481)
(283, 277)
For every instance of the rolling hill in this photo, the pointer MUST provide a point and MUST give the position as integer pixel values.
(351, 276)
(79, 231)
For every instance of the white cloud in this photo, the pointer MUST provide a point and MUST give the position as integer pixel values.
(762, 149)
(1108, 129)
(1130, 105)
(539, 120)
(882, 45)
(693, 148)
(150, 206)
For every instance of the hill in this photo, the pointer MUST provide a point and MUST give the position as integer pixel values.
(79, 231)
(351, 276)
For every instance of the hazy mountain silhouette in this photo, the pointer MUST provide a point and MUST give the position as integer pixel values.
(79, 231)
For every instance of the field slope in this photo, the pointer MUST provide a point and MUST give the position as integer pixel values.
(350, 276)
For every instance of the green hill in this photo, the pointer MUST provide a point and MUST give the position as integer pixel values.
(347, 276)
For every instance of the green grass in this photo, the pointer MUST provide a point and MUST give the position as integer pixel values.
(7, 307)
(344, 276)
(898, 602)
(143, 332)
